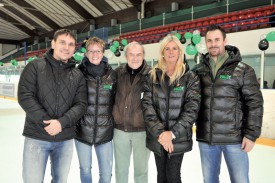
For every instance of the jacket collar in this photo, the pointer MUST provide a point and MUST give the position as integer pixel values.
(233, 52)
(58, 63)
(83, 65)
(144, 71)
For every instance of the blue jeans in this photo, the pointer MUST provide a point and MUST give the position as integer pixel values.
(125, 144)
(35, 157)
(236, 161)
(104, 153)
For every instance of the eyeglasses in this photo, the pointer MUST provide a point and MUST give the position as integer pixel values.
(95, 51)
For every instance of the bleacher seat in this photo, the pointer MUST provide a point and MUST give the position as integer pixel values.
(219, 20)
(231, 22)
(250, 15)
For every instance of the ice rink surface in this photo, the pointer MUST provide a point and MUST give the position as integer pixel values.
(262, 158)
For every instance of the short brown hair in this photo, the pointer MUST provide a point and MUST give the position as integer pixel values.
(63, 31)
(216, 27)
(95, 40)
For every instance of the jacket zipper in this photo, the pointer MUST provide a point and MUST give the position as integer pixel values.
(212, 99)
(96, 105)
(213, 79)
(57, 92)
(167, 110)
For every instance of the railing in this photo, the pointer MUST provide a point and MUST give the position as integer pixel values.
(232, 22)
(186, 15)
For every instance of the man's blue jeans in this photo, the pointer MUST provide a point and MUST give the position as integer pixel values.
(35, 157)
(104, 153)
(235, 158)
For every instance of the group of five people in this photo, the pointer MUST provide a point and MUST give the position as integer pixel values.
(135, 109)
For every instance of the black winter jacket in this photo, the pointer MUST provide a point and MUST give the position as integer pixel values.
(232, 103)
(51, 89)
(97, 125)
(174, 112)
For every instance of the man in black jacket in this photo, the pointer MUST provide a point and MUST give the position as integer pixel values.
(231, 112)
(53, 94)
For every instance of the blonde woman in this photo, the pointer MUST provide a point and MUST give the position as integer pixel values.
(170, 105)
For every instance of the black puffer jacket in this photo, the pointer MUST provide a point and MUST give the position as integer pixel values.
(175, 112)
(97, 125)
(50, 89)
(232, 103)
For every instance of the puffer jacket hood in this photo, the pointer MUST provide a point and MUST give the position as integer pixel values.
(56, 63)
(187, 68)
(85, 60)
(233, 53)
(84, 64)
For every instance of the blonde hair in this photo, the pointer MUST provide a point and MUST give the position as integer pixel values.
(180, 66)
(97, 41)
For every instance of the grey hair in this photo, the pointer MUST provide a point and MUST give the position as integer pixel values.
(132, 44)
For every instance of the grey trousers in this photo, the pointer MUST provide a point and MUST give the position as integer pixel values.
(126, 143)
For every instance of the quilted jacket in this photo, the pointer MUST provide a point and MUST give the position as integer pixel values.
(51, 89)
(232, 103)
(97, 125)
(171, 109)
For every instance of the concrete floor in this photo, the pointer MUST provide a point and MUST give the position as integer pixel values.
(262, 158)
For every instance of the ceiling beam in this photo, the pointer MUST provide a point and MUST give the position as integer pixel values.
(22, 16)
(17, 24)
(102, 6)
(38, 14)
(79, 9)
(136, 4)
(7, 41)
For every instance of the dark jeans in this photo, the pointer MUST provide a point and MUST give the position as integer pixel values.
(168, 168)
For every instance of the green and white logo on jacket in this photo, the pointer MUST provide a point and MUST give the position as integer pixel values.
(225, 77)
(107, 87)
(178, 88)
